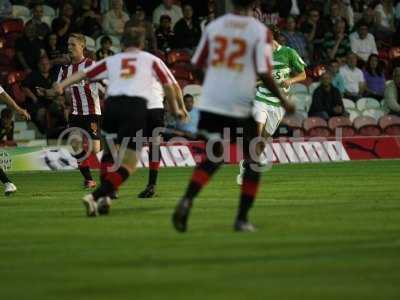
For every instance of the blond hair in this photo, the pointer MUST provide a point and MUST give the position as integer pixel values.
(80, 37)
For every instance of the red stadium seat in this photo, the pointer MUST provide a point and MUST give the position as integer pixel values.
(183, 83)
(178, 57)
(11, 26)
(344, 124)
(294, 123)
(390, 124)
(316, 127)
(161, 55)
(182, 73)
(14, 82)
(367, 126)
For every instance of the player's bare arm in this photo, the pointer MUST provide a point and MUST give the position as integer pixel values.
(4, 97)
(181, 104)
(299, 77)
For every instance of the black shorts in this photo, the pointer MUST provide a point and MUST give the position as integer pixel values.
(126, 117)
(155, 119)
(89, 123)
(214, 126)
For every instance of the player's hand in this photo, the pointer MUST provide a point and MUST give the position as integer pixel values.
(41, 91)
(58, 90)
(285, 84)
(289, 107)
(24, 114)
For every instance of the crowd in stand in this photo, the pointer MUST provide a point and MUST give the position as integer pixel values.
(352, 41)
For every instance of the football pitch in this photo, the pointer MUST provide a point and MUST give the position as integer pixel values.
(326, 231)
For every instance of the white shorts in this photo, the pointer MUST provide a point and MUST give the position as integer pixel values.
(269, 115)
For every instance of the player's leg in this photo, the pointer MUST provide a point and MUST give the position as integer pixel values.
(9, 187)
(155, 126)
(213, 126)
(251, 178)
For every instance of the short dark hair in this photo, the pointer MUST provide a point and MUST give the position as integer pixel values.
(133, 36)
(276, 32)
(243, 3)
(105, 39)
(187, 96)
(165, 17)
(6, 113)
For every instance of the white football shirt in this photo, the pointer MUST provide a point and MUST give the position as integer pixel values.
(134, 73)
(233, 49)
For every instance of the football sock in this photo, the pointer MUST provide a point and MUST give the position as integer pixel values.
(249, 188)
(106, 163)
(111, 182)
(154, 165)
(3, 176)
(200, 177)
(83, 166)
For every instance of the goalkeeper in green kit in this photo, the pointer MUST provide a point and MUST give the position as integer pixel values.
(288, 69)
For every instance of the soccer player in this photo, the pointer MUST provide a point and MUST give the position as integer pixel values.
(9, 187)
(86, 111)
(234, 49)
(131, 76)
(155, 124)
(287, 69)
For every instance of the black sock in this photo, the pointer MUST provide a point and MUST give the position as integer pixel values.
(3, 176)
(154, 164)
(251, 180)
(200, 177)
(111, 182)
(85, 171)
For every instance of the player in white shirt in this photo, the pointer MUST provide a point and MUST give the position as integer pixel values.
(9, 187)
(131, 76)
(235, 49)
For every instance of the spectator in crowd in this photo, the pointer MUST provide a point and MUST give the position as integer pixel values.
(56, 57)
(42, 29)
(210, 17)
(189, 128)
(374, 78)
(57, 118)
(169, 9)
(5, 9)
(165, 35)
(63, 25)
(326, 99)
(290, 7)
(187, 30)
(105, 49)
(139, 19)
(385, 17)
(353, 78)
(6, 124)
(369, 18)
(337, 79)
(332, 18)
(296, 39)
(114, 20)
(35, 104)
(337, 44)
(29, 48)
(392, 93)
(363, 43)
(88, 22)
(313, 31)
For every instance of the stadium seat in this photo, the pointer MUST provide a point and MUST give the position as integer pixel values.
(14, 82)
(294, 122)
(366, 103)
(367, 126)
(298, 88)
(344, 124)
(161, 55)
(48, 20)
(374, 113)
(313, 86)
(318, 71)
(301, 101)
(178, 57)
(348, 104)
(194, 90)
(180, 72)
(90, 43)
(390, 124)
(316, 127)
(7, 57)
(354, 113)
(21, 12)
(394, 53)
(9, 26)
(48, 11)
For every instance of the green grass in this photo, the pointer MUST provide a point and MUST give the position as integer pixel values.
(327, 231)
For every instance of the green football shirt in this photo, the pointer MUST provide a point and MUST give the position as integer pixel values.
(285, 61)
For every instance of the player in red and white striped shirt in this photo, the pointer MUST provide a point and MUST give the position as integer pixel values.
(86, 112)
(131, 76)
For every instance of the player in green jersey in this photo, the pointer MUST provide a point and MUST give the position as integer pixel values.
(288, 69)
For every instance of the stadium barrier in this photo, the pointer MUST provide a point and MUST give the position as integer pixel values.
(188, 154)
